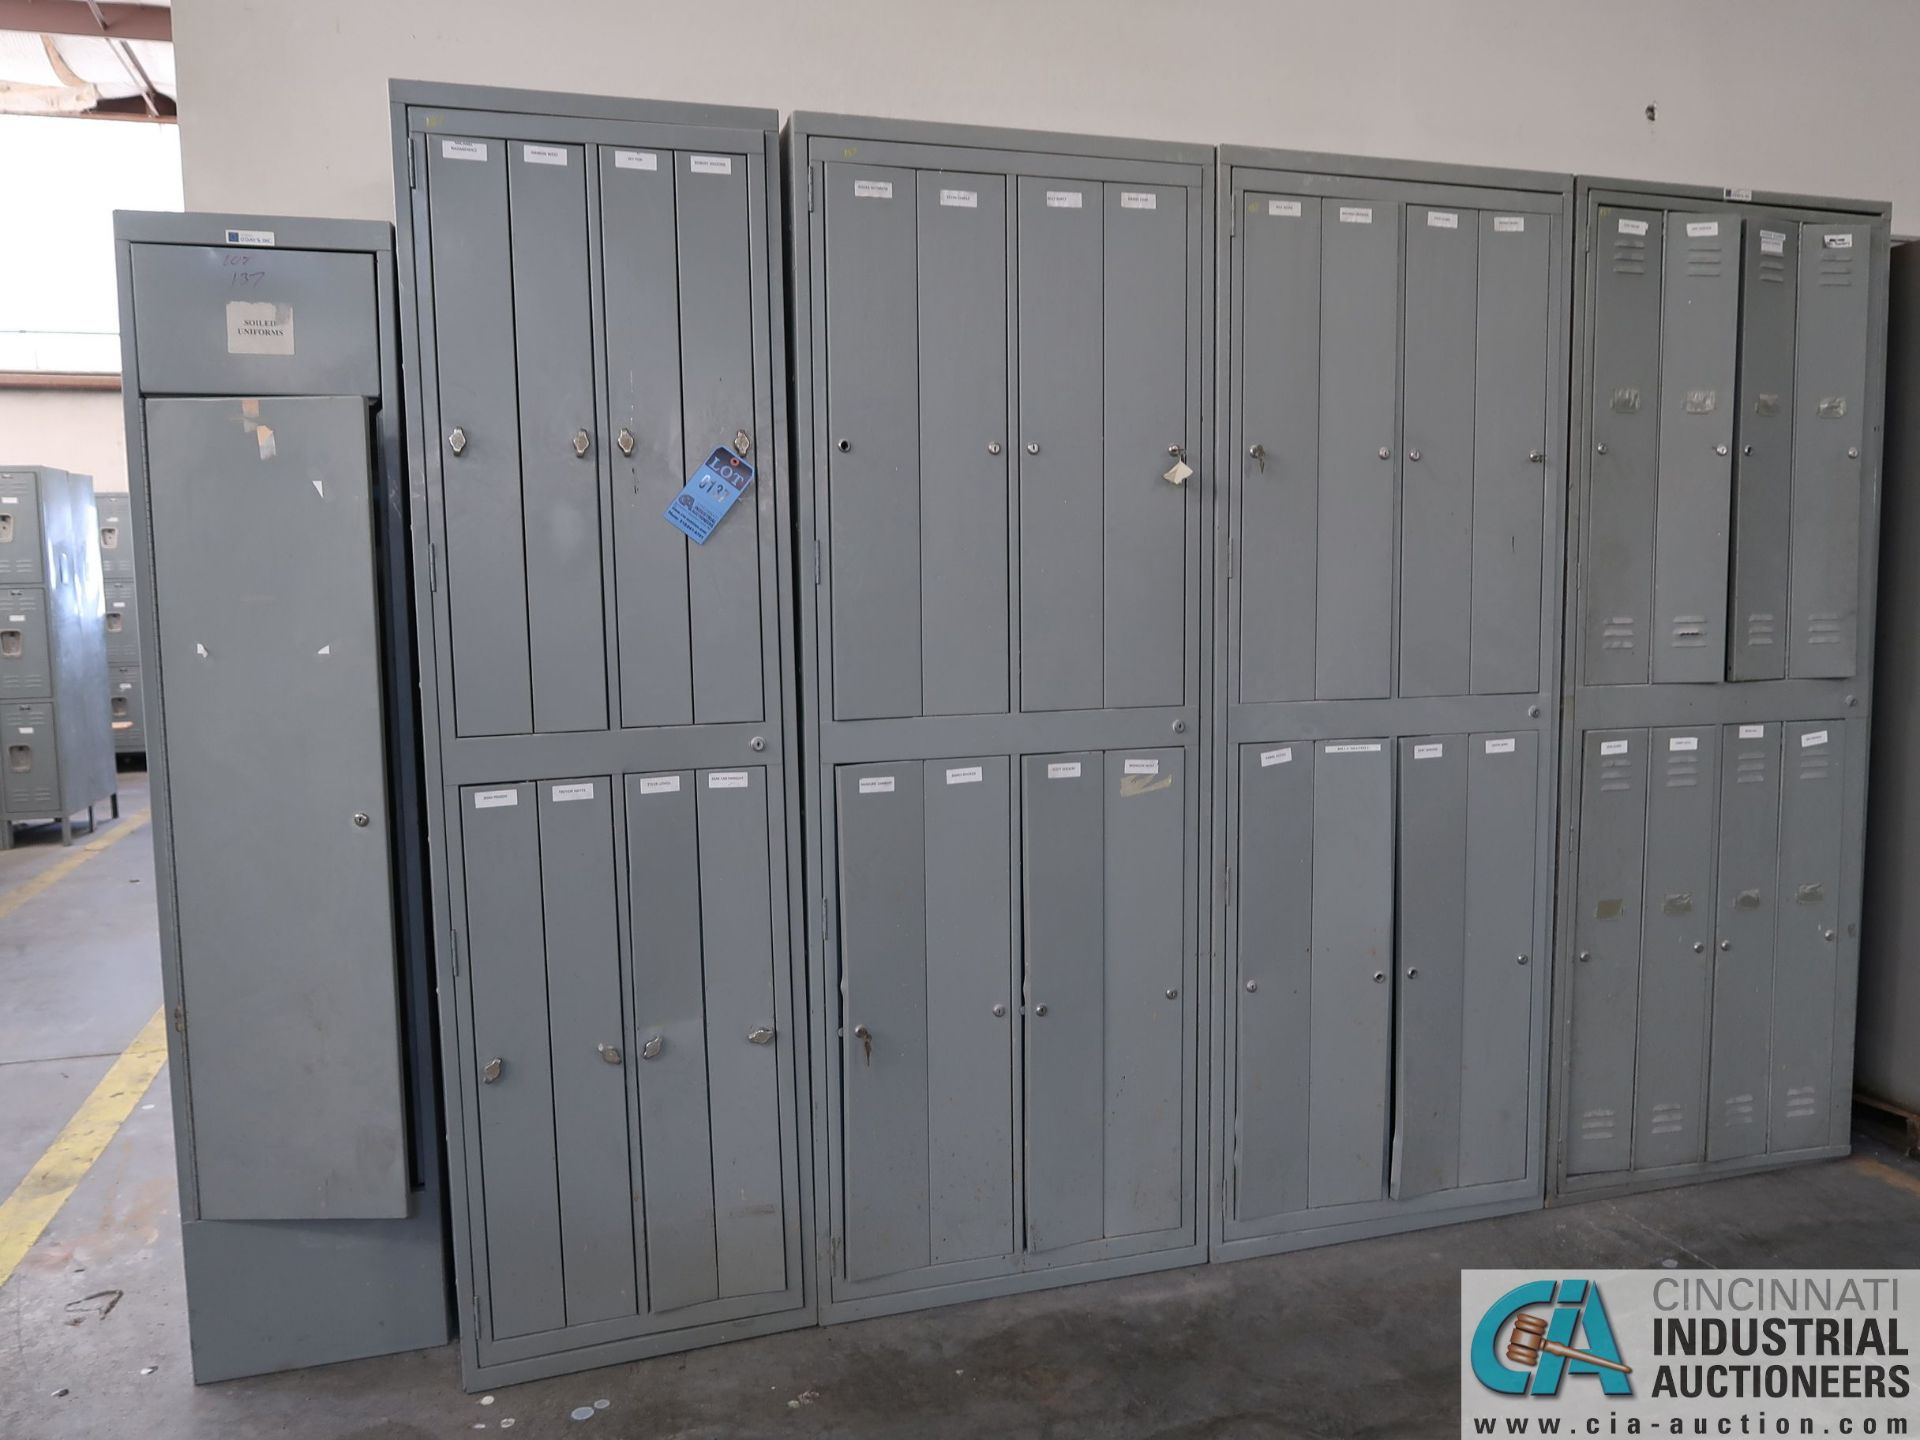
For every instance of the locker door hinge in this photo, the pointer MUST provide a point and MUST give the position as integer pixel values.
(816, 562)
(433, 567)
(826, 923)
(809, 190)
(453, 941)
(410, 147)
(1230, 557)
(1228, 897)
(180, 1020)
(476, 1312)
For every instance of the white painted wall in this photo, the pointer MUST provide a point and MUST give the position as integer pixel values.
(283, 105)
(79, 430)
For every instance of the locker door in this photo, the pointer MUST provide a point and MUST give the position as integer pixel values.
(1606, 950)
(473, 329)
(1352, 1000)
(1625, 425)
(122, 622)
(1359, 363)
(1273, 892)
(21, 545)
(1700, 322)
(1509, 469)
(1763, 467)
(1436, 511)
(1743, 959)
(873, 438)
(1830, 405)
(1062, 450)
(1279, 468)
(1431, 985)
(1676, 973)
(963, 428)
(26, 668)
(32, 782)
(1806, 944)
(1145, 373)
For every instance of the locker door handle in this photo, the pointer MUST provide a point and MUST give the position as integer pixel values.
(761, 1035)
(1258, 454)
(490, 1072)
(865, 1037)
(582, 442)
(456, 440)
(609, 1053)
(625, 442)
(1536, 457)
(651, 1050)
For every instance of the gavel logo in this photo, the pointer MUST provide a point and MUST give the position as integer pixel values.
(1528, 1342)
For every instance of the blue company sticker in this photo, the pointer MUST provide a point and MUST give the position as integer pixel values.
(705, 499)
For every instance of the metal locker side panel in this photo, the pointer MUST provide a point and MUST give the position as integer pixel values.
(969, 880)
(873, 439)
(1063, 871)
(1763, 464)
(1146, 402)
(1437, 507)
(479, 447)
(1502, 773)
(589, 1078)
(511, 1061)
(963, 443)
(122, 621)
(744, 1068)
(1061, 424)
(21, 543)
(1509, 457)
(1359, 365)
(26, 664)
(1830, 416)
(1273, 1034)
(553, 352)
(1431, 985)
(1806, 945)
(670, 1029)
(1700, 324)
(1744, 907)
(1605, 983)
(1676, 970)
(718, 264)
(640, 280)
(1352, 1001)
(1278, 487)
(885, 1021)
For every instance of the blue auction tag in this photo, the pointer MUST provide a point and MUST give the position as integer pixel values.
(705, 499)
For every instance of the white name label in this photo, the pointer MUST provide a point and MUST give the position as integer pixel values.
(1684, 742)
(1813, 737)
(564, 793)
(1141, 767)
(1837, 242)
(1429, 752)
(1063, 200)
(1509, 224)
(1502, 746)
(635, 160)
(710, 164)
(962, 199)
(1357, 749)
(873, 189)
(1283, 207)
(1702, 229)
(1356, 214)
(1442, 220)
(1737, 192)
(1276, 757)
(1753, 732)
(1633, 227)
(494, 799)
(965, 775)
(727, 780)
(1613, 747)
(463, 150)
(1063, 770)
(1773, 242)
(259, 327)
(23, 729)
(659, 784)
(261, 238)
(1139, 200)
(877, 785)
(544, 154)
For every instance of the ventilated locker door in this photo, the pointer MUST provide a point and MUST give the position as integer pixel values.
(1745, 905)
(1273, 1036)
(1431, 954)
(30, 786)
(21, 544)
(126, 707)
(1830, 417)
(1806, 946)
(1623, 472)
(26, 667)
(1359, 367)
(1676, 971)
(1510, 438)
(1352, 1000)
(479, 443)
(873, 429)
(1606, 938)
(964, 576)
(1763, 467)
(122, 622)
(1437, 505)
(1700, 323)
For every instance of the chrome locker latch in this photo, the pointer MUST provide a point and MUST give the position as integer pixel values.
(456, 440)
(651, 1050)
(625, 441)
(865, 1037)
(1258, 454)
(609, 1053)
(490, 1072)
(1179, 471)
(582, 442)
(761, 1035)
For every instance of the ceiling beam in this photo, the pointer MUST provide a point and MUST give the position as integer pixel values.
(76, 17)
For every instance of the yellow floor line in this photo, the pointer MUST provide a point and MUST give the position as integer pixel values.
(54, 874)
(38, 1198)
(1880, 1170)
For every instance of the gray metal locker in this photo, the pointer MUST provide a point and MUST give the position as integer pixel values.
(22, 541)
(26, 665)
(115, 513)
(1763, 464)
(122, 622)
(126, 708)
(1746, 898)
(1811, 1080)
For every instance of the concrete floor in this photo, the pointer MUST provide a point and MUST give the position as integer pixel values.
(1354, 1340)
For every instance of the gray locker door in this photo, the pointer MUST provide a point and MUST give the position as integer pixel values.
(1279, 468)
(1273, 1036)
(26, 667)
(114, 514)
(1744, 903)
(21, 545)
(32, 782)
(294, 1079)
(1431, 986)
(1676, 971)
(1624, 420)
(670, 1031)
(1830, 416)
(1700, 323)
(1805, 978)
(473, 329)
(1606, 950)
(964, 579)
(560, 473)
(1502, 772)
(873, 438)
(1146, 422)
(1763, 465)
(513, 1074)
(1062, 447)
(1352, 1000)
(1509, 454)
(1359, 365)
(1063, 865)
(589, 1077)
(1437, 507)
(123, 621)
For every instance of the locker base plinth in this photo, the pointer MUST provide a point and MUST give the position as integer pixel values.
(476, 1376)
(1616, 1184)
(1310, 1235)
